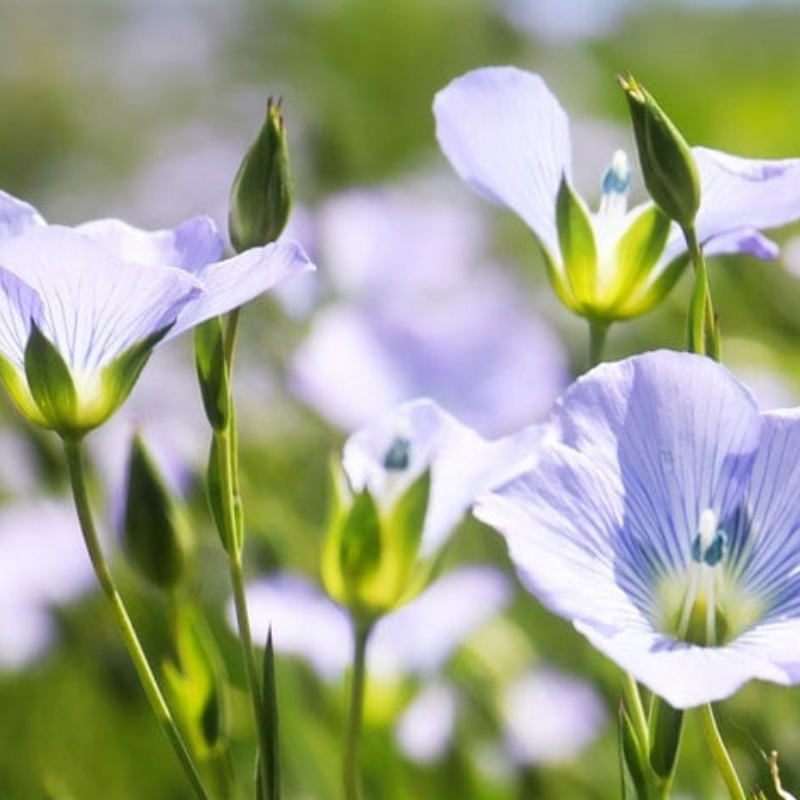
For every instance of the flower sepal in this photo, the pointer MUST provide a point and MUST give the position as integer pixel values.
(578, 251)
(370, 559)
(50, 384)
(50, 395)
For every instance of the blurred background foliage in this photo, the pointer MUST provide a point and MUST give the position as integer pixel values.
(142, 109)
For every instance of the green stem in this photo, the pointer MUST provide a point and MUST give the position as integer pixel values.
(598, 332)
(352, 782)
(704, 337)
(720, 754)
(635, 709)
(74, 456)
(233, 535)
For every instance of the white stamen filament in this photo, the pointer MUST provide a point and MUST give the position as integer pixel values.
(707, 552)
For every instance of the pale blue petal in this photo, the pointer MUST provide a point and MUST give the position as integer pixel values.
(745, 193)
(232, 283)
(560, 521)
(684, 675)
(19, 305)
(16, 216)
(739, 197)
(462, 463)
(507, 136)
(680, 433)
(612, 506)
(191, 246)
(765, 541)
(94, 306)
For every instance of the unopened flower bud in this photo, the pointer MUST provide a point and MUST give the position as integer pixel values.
(261, 195)
(371, 559)
(155, 532)
(668, 166)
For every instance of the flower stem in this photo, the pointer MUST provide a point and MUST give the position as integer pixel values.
(230, 518)
(635, 708)
(351, 774)
(720, 754)
(74, 456)
(703, 327)
(598, 332)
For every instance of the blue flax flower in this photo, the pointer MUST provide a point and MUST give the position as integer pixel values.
(508, 137)
(102, 295)
(662, 518)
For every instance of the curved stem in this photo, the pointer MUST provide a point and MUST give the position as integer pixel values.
(351, 774)
(720, 754)
(74, 456)
(598, 332)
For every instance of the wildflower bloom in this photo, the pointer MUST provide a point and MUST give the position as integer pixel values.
(408, 478)
(81, 308)
(508, 137)
(661, 518)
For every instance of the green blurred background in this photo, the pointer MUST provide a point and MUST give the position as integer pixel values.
(142, 110)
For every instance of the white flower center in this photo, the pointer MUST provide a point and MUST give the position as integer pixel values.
(609, 223)
(705, 605)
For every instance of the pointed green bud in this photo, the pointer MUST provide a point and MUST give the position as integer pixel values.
(668, 166)
(370, 559)
(261, 195)
(155, 531)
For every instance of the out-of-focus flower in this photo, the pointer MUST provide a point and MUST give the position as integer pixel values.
(408, 479)
(508, 137)
(550, 717)
(83, 307)
(418, 639)
(661, 519)
(42, 563)
(412, 311)
(425, 728)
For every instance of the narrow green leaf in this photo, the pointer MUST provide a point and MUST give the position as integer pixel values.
(212, 371)
(214, 491)
(270, 720)
(632, 761)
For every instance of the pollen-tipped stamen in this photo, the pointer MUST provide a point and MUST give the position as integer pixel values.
(702, 619)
